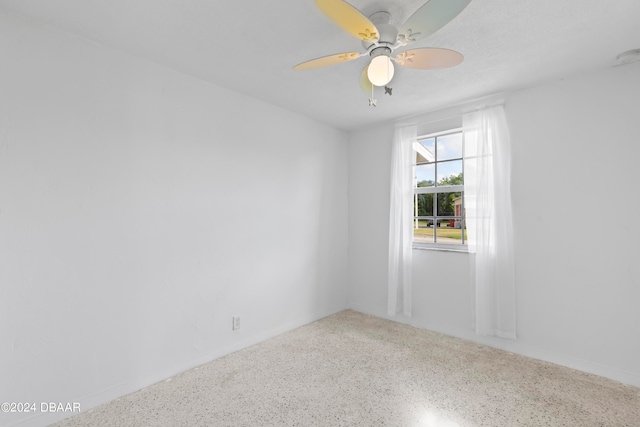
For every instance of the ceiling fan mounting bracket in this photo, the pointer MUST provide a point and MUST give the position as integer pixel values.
(381, 17)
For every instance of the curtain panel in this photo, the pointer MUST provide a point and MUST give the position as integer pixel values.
(487, 198)
(401, 221)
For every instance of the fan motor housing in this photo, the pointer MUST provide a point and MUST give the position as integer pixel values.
(387, 33)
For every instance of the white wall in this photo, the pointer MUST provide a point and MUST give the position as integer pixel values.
(578, 282)
(139, 210)
(369, 153)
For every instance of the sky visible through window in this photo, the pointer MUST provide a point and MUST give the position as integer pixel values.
(448, 147)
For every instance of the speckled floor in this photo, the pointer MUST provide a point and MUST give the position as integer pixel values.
(352, 369)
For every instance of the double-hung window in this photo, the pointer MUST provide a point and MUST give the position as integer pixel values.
(438, 190)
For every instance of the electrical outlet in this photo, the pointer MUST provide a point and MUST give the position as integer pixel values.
(235, 322)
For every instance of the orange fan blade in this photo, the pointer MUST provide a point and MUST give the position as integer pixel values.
(327, 60)
(429, 58)
(431, 16)
(349, 19)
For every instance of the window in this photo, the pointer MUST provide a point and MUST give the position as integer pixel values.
(438, 190)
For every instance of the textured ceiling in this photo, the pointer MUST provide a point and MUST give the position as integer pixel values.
(250, 47)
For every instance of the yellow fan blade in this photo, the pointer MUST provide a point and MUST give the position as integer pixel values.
(429, 58)
(327, 60)
(365, 84)
(349, 19)
(429, 18)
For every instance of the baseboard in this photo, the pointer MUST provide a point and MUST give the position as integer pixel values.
(93, 400)
(400, 318)
(616, 374)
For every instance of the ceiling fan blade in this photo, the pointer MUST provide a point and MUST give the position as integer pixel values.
(429, 18)
(365, 84)
(429, 58)
(327, 60)
(349, 19)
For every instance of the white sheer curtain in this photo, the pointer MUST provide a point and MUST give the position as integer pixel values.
(487, 197)
(401, 221)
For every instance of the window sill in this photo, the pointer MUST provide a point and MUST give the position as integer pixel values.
(441, 248)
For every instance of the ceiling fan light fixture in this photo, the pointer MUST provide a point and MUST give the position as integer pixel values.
(380, 38)
(380, 70)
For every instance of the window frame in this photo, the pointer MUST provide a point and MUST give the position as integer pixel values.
(435, 190)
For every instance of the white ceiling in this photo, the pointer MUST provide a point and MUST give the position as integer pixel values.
(250, 47)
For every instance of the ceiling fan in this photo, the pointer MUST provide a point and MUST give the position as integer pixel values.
(380, 38)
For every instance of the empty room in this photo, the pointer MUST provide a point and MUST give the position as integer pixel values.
(319, 213)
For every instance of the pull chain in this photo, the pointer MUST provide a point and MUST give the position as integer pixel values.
(372, 101)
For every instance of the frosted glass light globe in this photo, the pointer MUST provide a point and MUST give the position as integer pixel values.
(380, 71)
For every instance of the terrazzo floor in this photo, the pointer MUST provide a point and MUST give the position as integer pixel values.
(352, 369)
